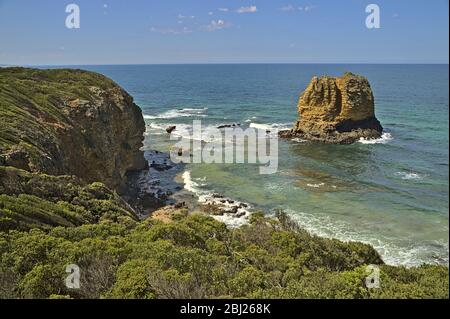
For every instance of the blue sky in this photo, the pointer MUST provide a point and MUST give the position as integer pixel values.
(223, 31)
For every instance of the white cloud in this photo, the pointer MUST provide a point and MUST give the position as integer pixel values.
(217, 25)
(395, 15)
(288, 7)
(224, 9)
(250, 9)
(183, 30)
(210, 13)
(181, 17)
(291, 8)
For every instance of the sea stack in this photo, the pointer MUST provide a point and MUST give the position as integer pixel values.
(336, 110)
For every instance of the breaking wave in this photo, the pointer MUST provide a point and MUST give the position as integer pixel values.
(409, 175)
(268, 127)
(186, 112)
(408, 254)
(385, 138)
(238, 211)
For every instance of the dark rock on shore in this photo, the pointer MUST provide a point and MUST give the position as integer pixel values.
(170, 129)
(150, 189)
(232, 212)
(228, 125)
(336, 111)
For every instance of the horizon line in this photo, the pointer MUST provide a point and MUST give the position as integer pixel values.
(225, 63)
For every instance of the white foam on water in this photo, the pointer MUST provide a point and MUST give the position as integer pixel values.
(157, 126)
(409, 254)
(186, 112)
(260, 126)
(268, 127)
(315, 185)
(409, 175)
(384, 139)
(189, 184)
(298, 140)
(204, 197)
(185, 131)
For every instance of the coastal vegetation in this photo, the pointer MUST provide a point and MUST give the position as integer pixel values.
(33, 200)
(195, 256)
(54, 214)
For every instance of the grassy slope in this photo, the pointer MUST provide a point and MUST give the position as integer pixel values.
(31, 200)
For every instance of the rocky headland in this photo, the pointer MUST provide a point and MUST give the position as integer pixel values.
(336, 110)
(75, 188)
(69, 122)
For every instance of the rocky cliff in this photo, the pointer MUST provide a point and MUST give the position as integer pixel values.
(336, 110)
(69, 122)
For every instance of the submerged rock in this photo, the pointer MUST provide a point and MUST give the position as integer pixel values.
(336, 110)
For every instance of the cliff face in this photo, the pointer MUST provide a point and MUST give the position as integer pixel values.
(337, 110)
(69, 122)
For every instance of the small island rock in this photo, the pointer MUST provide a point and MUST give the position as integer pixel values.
(336, 110)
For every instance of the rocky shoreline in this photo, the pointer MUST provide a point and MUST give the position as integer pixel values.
(70, 142)
(159, 190)
(152, 188)
(231, 212)
(345, 133)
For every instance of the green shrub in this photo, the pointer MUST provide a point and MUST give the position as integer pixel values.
(198, 257)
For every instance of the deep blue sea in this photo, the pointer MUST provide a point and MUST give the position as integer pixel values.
(391, 193)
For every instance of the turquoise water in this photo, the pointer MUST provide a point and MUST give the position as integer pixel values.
(392, 194)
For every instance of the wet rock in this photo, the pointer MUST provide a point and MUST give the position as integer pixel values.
(241, 214)
(228, 125)
(230, 211)
(170, 129)
(150, 189)
(161, 166)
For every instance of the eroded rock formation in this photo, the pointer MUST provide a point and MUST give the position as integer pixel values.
(69, 122)
(336, 110)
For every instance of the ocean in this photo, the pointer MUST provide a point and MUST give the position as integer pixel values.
(391, 193)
